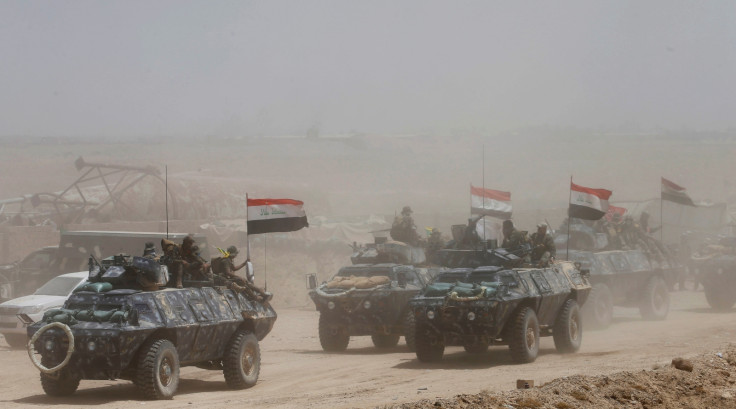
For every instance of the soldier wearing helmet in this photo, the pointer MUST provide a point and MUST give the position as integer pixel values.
(404, 229)
(225, 266)
(543, 247)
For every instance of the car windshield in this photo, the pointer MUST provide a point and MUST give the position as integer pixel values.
(59, 286)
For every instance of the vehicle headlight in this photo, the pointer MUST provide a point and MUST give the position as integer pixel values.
(430, 314)
(91, 346)
(331, 305)
(49, 344)
(471, 316)
(367, 304)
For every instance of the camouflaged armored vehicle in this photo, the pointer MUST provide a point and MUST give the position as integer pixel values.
(715, 267)
(111, 329)
(371, 297)
(626, 278)
(495, 305)
(638, 274)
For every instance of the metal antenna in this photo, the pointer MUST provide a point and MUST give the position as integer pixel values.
(166, 182)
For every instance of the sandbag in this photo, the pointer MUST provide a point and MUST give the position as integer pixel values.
(364, 283)
(346, 284)
(99, 287)
(118, 317)
(437, 289)
(466, 292)
(380, 280)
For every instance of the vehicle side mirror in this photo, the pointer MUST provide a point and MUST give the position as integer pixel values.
(401, 278)
(311, 281)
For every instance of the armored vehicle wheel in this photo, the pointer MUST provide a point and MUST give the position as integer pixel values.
(16, 341)
(157, 374)
(429, 343)
(476, 348)
(719, 298)
(655, 300)
(332, 336)
(385, 341)
(242, 360)
(524, 336)
(410, 331)
(598, 309)
(568, 330)
(59, 384)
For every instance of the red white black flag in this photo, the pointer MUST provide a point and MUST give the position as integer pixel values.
(675, 193)
(275, 215)
(587, 203)
(488, 202)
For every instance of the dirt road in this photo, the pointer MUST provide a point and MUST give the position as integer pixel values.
(295, 373)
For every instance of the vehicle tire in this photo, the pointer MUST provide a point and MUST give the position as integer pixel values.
(16, 341)
(429, 343)
(157, 371)
(332, 337)
(242, 360)
(655, 300)
(598, 308)
(410, 331)
(476, 348)
(720, 298)
(568, 329)
(524, 336)
(63, 385)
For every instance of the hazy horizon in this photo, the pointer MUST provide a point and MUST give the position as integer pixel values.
(134, 68)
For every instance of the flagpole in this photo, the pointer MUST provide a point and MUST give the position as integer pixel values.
(265, 264)
(661, 215)
(247, 234)
(484, 195)
(569, 222)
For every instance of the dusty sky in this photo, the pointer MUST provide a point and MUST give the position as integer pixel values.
(229, 68)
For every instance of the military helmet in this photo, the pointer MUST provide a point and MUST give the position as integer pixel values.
(508, 223)
(232, 250)
(406, 210)
(149, 249)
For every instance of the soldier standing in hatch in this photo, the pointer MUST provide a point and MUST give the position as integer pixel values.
(434, 244)
(404, 229)
(224, 268)
(543, 247)
(172, 260)
(512, 238)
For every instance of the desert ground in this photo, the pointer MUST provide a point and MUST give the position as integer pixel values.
(296, 373)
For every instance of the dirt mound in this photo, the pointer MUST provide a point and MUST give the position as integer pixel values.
(710, 384)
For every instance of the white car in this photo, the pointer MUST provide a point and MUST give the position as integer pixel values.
(18, 313)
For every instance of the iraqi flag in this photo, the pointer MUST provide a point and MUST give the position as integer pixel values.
(275, 215)
(615, 210)
(587, 203)
(675, 193)
(488, 202)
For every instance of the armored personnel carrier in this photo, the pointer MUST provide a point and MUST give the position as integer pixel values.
(629, 270)
(626, 278)
(371, 296)
(124, 324)
(715, 267)
(492, 305)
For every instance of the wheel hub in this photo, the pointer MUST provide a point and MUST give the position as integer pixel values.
(530, 338)
(248, 360)
(165, 371)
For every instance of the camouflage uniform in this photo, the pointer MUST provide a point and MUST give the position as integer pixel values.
(543, 249)
(172, 260)
(514, 240)
(224, 270)
(434, 244)
(403, 228)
